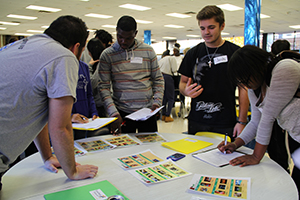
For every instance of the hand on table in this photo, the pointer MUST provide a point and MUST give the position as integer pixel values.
(245, 160)
(84, 171)
(52, 164)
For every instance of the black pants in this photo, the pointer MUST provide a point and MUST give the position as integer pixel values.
(194, 127)
(150, 125)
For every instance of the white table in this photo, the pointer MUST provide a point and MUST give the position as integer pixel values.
(30, 180)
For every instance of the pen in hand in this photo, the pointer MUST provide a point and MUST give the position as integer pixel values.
(120, 126)
(225, 143)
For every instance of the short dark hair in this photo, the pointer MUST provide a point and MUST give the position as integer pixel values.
(104, 36)
(280, 45)
(95, 47)
(211, 11)
(166, 53)
(248, 64)
(68, 30)
(126, 23)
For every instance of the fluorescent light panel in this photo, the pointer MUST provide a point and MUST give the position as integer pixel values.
(45, 27)
(224, 33)
(195, 36)
(134, 7)
(143, 21)
(229, 7)
(178, 15)
(263, 16)
(109, 26)
(24, 34)
(35, 31)
(173, 26)
(21, 17)
(98, 15)
(42, 8)
(9, 23)
(2, 28)
(295, 26)
(170, 38)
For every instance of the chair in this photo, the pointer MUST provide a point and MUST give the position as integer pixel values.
(213, 135)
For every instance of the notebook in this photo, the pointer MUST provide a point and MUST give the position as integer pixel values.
(100, 190)
(94, 124)
(186, 145)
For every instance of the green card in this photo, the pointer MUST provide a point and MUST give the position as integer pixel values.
(100, 190)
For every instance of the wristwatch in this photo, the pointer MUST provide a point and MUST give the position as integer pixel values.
(243, 123)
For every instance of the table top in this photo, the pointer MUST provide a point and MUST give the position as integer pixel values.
(30, 180)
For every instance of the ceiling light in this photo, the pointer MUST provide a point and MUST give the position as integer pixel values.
(295, 26)
(45, 27)
(48, 9)
(134, 7)
(170, 38)
(2, 28)
(35, 31)
(9, 23)
(109, 26)
(21, 17)
(98, 15)
(91, 30)
(143, 21)
(24, 34)
(178, 15)
(229, 7)
(224, 33)
(195, 36)
(262, 16)
(173, 26)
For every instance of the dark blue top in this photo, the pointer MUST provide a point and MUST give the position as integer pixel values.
(85, 104)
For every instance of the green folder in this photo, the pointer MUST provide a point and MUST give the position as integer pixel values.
(84, 192)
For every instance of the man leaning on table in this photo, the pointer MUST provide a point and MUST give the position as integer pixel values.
(130, 68)
(38, 85)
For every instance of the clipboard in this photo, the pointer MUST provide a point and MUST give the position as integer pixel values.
(186, 145)
(216, 158)
(94, 124)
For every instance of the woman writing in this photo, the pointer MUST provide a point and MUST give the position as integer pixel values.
(274, 93)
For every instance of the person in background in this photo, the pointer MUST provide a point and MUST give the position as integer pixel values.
(84, 108)
(168, 66)
(106, 39)
(274, 93)
(42, 91)
(204, 78)
(130, 79)
(185, 50)
(176, 76)
(277, 148)
(95, 48)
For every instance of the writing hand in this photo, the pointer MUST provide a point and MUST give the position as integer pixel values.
(78, 118)
(154, 107)
(115, 127)
(192, 90)
(95, 117)
(229, 148)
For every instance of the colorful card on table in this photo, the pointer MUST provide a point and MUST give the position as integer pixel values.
(138, 160)
(122, 141)
(77, 152)
(186, 145)
(149, 137)
(93, 145)
(227, 187)
(95, 191)
(160, 172)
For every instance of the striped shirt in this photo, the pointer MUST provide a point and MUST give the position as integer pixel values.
(130, 79)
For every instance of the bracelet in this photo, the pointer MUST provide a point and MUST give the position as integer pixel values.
(235, 145)
(243, 123)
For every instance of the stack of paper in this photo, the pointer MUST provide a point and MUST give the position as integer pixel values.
(186, 145)
(143, 114)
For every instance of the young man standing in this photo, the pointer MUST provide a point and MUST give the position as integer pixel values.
(204, 79)
(130, 69)
(36, 90)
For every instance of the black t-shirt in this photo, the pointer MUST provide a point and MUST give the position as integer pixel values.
(216, 105)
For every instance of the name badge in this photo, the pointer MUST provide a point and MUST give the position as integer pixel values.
(220, 59)
(138, 60)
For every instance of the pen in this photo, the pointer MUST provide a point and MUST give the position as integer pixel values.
(120, 126)
(225, 143)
